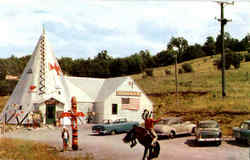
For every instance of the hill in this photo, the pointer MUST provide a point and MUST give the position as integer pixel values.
(199, 93)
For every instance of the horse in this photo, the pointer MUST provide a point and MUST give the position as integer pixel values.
(145, 139)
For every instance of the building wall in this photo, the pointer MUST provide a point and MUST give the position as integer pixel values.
(98, 108)
(84, 107)
(131, 115)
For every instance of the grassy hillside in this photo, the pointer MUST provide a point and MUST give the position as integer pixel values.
(199, 95)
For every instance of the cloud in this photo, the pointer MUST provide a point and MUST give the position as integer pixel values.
(81, 29)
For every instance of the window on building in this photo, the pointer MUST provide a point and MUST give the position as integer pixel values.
(114, 109)
(125, 100)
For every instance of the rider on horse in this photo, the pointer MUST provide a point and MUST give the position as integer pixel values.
(149, 125)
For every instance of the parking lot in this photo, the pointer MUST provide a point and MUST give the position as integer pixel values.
(111, 147)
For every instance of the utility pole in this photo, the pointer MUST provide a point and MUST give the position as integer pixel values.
(176, 76)
(223, 22)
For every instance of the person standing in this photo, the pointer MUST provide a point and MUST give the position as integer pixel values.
(30, 119)
(65, 137)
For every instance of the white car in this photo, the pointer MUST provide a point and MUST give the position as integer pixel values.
(173, 126)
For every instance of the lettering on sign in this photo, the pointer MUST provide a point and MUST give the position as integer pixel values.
(128, 93)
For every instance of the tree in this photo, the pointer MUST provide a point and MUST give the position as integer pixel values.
(135, 64)
(181, 44)
(227, 38)
(245, 43)
(147, 59)
(66, 64)
(192, 52)
(118, 67)
(164, 58)
(209, 46)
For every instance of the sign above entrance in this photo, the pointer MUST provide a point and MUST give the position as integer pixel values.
(128, 93)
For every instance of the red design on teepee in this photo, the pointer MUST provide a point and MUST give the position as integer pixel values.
(32, 87)
(56, 68)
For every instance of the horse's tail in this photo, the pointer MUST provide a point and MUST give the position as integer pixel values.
(155, 151)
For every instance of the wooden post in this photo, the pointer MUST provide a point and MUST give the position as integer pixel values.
(74, 124)
(73, 115)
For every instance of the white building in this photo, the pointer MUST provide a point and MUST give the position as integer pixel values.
(113, 98)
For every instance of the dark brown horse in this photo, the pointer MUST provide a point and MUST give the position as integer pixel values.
(144, 138)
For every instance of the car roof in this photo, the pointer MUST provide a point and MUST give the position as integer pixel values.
(168, 118)
(208, 121)
(247, 121)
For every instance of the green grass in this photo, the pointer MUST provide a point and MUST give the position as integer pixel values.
(22, 149)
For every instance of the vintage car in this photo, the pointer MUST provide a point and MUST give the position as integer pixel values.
(118, 126)
(173, 126)
(208, 131)
(242, 133)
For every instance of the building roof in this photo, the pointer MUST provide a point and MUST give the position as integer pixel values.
(96, 88)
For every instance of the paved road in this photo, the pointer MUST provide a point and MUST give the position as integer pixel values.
(112, 148)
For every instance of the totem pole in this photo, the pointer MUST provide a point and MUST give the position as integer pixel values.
(73, 116)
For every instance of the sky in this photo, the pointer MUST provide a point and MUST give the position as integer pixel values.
(83, 28)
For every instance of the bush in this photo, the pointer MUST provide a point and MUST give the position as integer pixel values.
(167, 72)
(230, 59)
(180, 70)
(149, 72)
(247, 57)
(6, 87)
(187, 67)
(2, 74)
(217, 63)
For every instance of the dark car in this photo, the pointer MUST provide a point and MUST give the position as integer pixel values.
(242, 133)
(118, 126)
(208, 131)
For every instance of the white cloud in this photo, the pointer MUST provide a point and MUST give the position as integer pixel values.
(83, 28)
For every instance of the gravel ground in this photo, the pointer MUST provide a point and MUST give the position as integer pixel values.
(112, 147)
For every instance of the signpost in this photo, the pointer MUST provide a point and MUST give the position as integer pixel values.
(73, 114)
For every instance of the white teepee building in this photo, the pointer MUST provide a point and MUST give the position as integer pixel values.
(42, 87)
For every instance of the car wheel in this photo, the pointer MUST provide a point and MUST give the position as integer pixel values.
(218, 143)
(237, 139)
(113, 132)
(193, 131)
(172, 134)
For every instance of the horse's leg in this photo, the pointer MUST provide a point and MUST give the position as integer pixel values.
(145, 153)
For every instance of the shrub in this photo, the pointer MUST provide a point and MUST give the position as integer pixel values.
(167, 72)
(180, 70)
(217, 63)
(2, 74)
(149, 72)
(187, 67)
(230, 59)
(247, 57)
(6, 87)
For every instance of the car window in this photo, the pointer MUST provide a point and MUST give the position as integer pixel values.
(208, 125)
(244, 126)
(165, 121)
(173, 122)
(117, 121)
